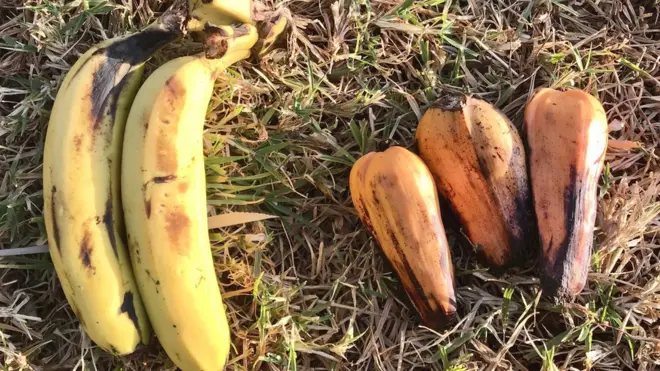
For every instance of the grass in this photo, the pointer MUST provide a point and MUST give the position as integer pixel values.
(310, 289)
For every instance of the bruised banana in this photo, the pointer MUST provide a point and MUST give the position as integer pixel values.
(82, 210)
(396, 199)
(164, 198)
(477, 159)
(567, 139)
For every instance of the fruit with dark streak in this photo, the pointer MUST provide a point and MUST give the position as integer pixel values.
(82, 206)
(396, 199)
(477, 159)
(566, 134)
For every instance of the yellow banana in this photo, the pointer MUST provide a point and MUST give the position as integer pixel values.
(218, 13)
(82, 209)
(164, 198)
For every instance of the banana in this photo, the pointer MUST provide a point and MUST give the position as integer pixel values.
(396, 198)
(164, 198)
(478, 161)
(567, 142)
(218, 13)
(82, 206)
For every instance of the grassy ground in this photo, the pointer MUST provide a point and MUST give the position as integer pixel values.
(310, 289)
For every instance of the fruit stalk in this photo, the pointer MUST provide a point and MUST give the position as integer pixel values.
(567, 139)
(396, 199)
(82, 206)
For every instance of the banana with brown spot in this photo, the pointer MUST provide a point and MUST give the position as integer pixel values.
(396, 199)
(567, 141)
(477, 159)
(82, 209)
(164, 197)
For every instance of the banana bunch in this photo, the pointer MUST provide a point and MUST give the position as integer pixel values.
(125, 192)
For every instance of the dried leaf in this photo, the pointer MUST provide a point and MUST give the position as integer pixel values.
(229, 219)
(623, 144)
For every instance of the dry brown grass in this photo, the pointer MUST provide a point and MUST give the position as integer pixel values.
(311, 290)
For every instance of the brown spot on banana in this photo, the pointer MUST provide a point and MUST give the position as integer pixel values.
(77, 142)
(108, 222)
(183, 187)
(166, 152)
(166, 159)
(147, 208)
(86, 250)
(177, 225)
(175, 88)
(145, 123)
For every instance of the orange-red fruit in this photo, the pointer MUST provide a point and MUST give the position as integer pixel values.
(567, 140)
(477, 159)
(396, 199)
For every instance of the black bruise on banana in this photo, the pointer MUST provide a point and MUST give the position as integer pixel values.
(109, 226)
(53, 216)
(133, 50)
(164, 179)
(128, 308)
(147, 208)
(86, 251)
(551, 281)
(525, 219)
